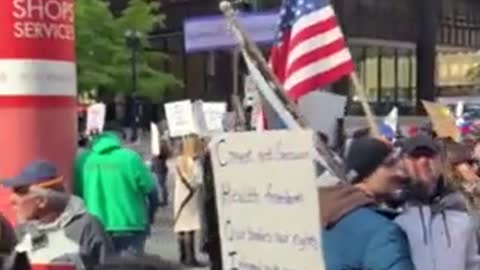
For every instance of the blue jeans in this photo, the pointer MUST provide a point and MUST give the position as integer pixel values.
(129, 243)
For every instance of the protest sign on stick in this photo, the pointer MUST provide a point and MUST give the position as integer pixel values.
(442, 119)
(154, 139)
(263, 182)
(180, 118)
(96, 118)
(214, 112)
(209, 116)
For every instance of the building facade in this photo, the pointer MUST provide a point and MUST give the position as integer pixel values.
(384, 37)
(390, 41)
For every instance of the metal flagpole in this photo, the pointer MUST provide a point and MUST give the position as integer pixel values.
(237, 104)
(374, 131)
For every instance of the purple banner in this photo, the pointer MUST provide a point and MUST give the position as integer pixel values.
(210, 33)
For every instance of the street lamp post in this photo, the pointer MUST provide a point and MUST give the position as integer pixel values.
(133, 39)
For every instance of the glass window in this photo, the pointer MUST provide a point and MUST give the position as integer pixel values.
(406, 76)
(371, 73)
(397, 68)
(388, 75)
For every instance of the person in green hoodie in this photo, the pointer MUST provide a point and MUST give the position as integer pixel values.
(115, 184)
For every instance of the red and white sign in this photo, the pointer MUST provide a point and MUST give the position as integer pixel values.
(37, 48)
(49, 24)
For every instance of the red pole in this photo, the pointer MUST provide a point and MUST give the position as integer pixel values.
(37, 87)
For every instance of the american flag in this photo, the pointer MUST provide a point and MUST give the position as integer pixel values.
(310, 50)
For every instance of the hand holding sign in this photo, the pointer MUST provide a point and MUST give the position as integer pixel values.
(442, 120)
(180, 118)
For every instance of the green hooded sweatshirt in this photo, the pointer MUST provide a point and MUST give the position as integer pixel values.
(114, 183)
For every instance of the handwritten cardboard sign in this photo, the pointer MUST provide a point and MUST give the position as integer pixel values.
(96, 117)
(442, 120)
(180, 118)
(267, 201)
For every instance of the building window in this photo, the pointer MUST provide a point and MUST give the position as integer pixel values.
(388, 75)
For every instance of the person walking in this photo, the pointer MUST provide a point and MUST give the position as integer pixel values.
(187, 207)
(116, 186)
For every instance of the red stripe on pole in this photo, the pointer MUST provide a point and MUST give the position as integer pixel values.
(37, 101)
(23, 50)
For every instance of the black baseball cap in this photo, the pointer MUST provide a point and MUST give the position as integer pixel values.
(40, 172)
(420, 142)
(366, 154)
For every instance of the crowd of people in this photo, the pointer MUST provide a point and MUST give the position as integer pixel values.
(409, 204)
(412, 203)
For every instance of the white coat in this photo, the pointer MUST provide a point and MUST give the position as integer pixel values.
(187, 209)
(441, 235)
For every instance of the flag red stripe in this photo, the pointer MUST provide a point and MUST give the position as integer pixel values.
(278, 61)
(320, 80)
(316, 55)
(311, 31)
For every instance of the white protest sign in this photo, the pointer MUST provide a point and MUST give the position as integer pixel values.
(180, 118)
(96, 117)
(267, 200)
(209, 116)
(199, 117)
(154, 139)
(214, 113)
(321, 110)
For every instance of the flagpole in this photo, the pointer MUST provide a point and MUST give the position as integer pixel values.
(374, 131)
(255, 53)
(251, 50)
(237, 104)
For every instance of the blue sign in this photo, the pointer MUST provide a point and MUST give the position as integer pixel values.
(210, 33)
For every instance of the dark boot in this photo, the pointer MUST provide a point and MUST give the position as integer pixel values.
(182, 246)
(191, 257)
